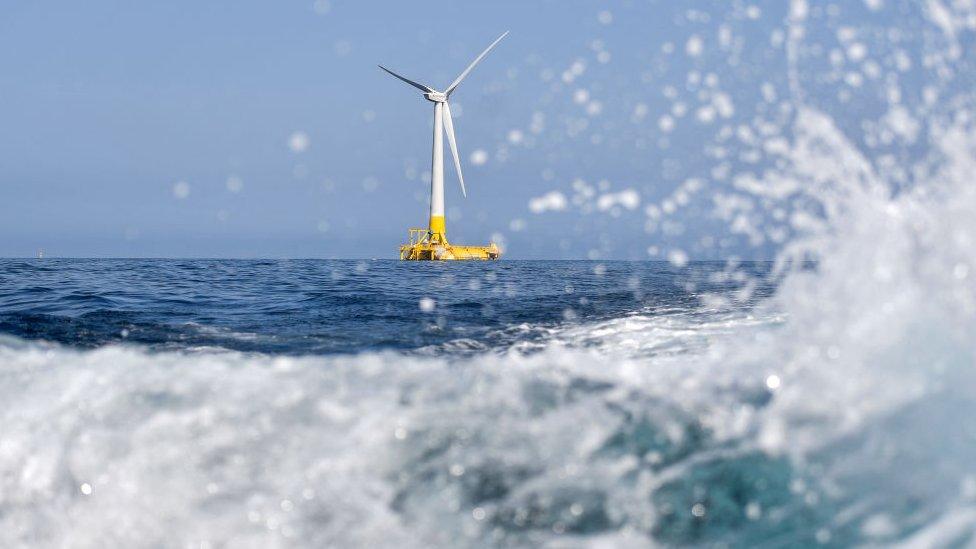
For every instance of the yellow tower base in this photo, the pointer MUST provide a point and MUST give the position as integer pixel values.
(426, 245)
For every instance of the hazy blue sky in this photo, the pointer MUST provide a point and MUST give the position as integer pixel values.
(123, 122)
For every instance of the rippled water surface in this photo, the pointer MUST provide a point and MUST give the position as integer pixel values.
(326, 307)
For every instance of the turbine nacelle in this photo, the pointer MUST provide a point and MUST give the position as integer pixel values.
(436, 97)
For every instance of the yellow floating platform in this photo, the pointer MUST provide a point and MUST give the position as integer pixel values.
(425, 245)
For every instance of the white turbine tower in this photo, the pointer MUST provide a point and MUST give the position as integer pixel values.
(436, 228)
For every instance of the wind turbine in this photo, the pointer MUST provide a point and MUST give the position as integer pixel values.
(443, 121)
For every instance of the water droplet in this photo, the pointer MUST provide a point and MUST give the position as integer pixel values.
(479, 157)
(234, 184)
(298, 142)
(322, 7)
(181, 189)
(753, 511)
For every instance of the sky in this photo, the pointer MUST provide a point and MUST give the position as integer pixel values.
(265, 129)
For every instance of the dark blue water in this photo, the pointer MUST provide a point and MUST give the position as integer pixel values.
(328, 307)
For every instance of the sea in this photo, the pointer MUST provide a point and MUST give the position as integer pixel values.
(323, 403)
(328, 307)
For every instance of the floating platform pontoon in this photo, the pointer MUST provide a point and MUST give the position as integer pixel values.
(425, 245)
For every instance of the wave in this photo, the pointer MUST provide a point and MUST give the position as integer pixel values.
(807, 420)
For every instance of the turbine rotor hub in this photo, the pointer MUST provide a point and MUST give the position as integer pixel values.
(436, 97)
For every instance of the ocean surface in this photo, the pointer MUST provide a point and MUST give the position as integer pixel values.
(308, 403)
(309, 307)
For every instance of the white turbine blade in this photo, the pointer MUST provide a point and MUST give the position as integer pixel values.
(421, 87)
(477, 60)
(449, 127)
